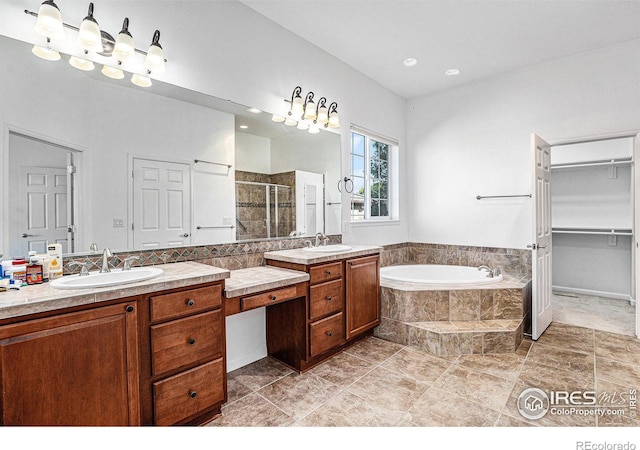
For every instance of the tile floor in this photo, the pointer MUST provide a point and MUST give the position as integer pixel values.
(606, 314)
(378, 383)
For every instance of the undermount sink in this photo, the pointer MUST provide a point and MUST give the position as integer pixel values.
(113, 278)
(328, 248)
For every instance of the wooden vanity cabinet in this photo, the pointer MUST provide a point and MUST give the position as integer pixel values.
(183, 348)
(76, 368)
(342, 304)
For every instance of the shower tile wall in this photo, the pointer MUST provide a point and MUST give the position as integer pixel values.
(251, 205)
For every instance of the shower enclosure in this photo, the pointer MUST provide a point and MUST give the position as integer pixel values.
(264, 210)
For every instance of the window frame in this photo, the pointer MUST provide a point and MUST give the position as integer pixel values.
(368, 181)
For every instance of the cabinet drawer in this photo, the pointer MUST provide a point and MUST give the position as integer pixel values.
(186, 341)
(178, 304)
(188, 393)
(267, 298)
(325, 272)
(325, 298)
(326, 334)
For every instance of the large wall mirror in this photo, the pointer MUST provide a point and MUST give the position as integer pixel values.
(87, 159)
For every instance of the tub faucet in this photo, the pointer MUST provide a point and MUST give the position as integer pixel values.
(490, 272)
(106, 254)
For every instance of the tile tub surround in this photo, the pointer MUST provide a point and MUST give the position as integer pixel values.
(511, 260)
(453, 320)
(39, 298)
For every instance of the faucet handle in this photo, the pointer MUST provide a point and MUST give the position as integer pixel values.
(128, 260)
(84, 271)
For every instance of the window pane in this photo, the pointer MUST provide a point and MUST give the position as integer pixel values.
(384, 208)
(357, 165)
(358, 185)
(375, 212)
(357, 144)
(384, 190)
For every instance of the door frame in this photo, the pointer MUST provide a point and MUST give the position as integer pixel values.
(79, 189)
(130, 213)
(635, 249)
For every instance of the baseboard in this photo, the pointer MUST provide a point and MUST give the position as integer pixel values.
(594, 293)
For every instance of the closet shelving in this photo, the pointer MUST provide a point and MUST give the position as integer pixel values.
(592, 198)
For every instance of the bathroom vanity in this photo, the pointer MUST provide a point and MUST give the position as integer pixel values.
(151, 352)
(341, 304)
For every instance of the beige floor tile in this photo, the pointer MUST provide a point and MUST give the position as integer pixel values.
(349, 410)
(504, 365)
(374, 349)
(299, 394)
(487, 390)
(438, 408)
(343, 369)
(617, 372)
(560, 358)
(251, 411)
(617, 347)
(556, 379)
(260, 373)
(385, 388)
(417, 364)
(568, 337)
(613, 396)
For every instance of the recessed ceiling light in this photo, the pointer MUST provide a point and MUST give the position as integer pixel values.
(452, 72)
(244, 127)
(410, 62)
(254, 110)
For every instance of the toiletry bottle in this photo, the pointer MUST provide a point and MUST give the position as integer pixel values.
(34, 269)
(55, 265)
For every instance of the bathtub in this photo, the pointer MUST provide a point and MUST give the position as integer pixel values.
(436, 274)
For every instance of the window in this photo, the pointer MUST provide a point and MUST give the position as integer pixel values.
(371, 159)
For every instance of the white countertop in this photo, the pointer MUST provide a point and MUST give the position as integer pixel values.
(38, 298)
(255, 279)
(301, 256)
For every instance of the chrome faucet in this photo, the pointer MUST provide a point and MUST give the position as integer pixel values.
(84, 271)
(323, 237)
(106, 254)
(128, 260)
(488, 269)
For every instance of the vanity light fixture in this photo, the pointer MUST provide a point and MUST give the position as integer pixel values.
(309, 116)
(92, 40)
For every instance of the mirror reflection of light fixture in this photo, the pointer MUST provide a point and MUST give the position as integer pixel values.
(123, 48)
(278, 119)
(309, 107)
(81, 63)
(112, 72)
(49, 23)
(89, 37)
(309, 116)
(46, 52)
(140, 80)
(334, 121)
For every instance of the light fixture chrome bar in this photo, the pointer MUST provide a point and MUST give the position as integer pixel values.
(480, 197)
(106, 38)
(228, 166)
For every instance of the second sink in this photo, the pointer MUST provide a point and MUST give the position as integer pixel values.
(328, 248)
(113, 278)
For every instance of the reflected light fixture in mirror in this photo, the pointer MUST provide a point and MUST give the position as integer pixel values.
(140, 80)
(112, 72)
(46, 53)
(81, 63)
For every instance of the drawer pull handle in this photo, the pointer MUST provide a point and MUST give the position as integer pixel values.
(328, 272)
(192, 341)
(329, 298)
(193, 394)
(273, 297)
(329, 333)
(129, 309)
(191, 302)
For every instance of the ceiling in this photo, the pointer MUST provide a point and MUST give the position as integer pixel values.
(479, 38)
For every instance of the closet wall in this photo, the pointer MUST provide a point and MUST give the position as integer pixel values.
(592, 190)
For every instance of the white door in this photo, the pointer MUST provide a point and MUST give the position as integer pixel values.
(541, 307)
(161, 204)
(42, 218)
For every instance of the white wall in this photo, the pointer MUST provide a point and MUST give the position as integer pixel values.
(253, 153)
(475, 140)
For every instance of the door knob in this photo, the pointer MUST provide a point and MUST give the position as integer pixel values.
(185, 235)
(25, 235)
